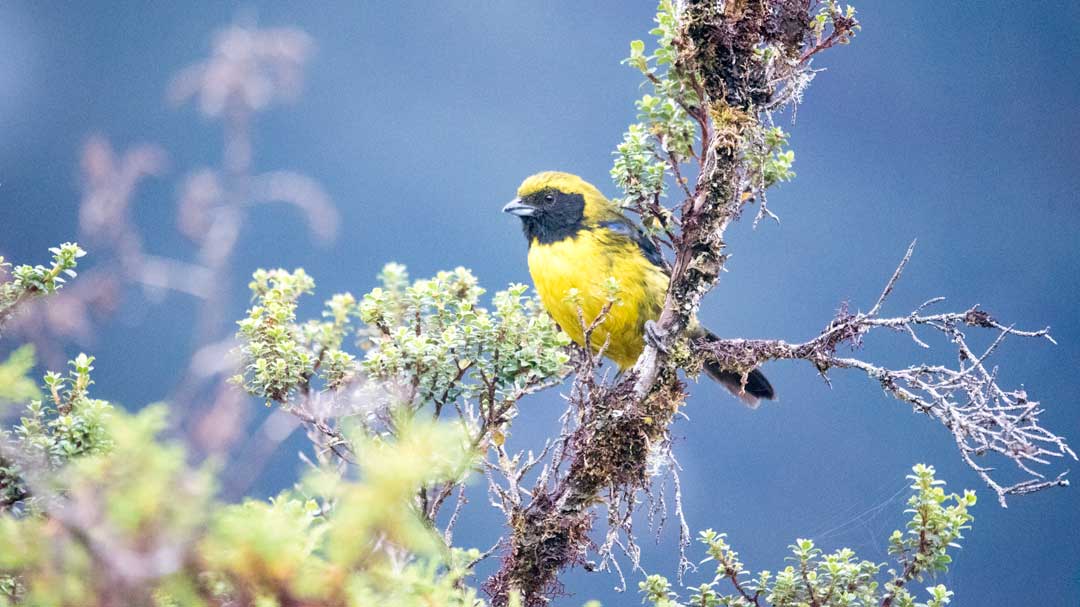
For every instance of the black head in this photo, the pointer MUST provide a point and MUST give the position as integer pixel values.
(548, 215)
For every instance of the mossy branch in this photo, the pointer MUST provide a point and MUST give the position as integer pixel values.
(724, 69)
(726, 66)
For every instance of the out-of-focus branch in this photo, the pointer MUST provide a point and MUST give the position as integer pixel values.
(249, 69)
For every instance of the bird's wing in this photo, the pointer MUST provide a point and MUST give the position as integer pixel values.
(627, 228)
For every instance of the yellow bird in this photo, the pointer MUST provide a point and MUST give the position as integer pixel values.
(578, 239)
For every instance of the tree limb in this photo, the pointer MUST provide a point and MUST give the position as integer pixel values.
(982, 416)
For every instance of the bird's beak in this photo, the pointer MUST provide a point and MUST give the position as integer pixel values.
(516, 207)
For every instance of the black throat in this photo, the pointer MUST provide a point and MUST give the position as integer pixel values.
(554, 221)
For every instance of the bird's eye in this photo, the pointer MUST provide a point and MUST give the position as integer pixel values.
(549, 197)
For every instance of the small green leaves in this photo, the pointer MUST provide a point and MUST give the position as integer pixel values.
(769, 160)
(666, 133)
(840, 19)
(667, 27)
(637, 55)
(276, 362)
(39, 279)
(337, 544)
(657, 591)
(939, 596)
(338, 368)
(29, 281)
(434, 335)
(431, 335)
(54, 432)
(573, 297)
(137, 498)
(277, 538)
(669, 124)
(937, 523)
(612, 290)
(837, 579)
(636, 169)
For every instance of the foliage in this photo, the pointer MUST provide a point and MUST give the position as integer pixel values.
(107, 511)
(432, 331)
(40, 279)
(837, 579)
(138, 526)
(28, 281)
(24, 282)
(69, 424)
(277, 361)
(427, 343)
(408, 390)
(14, 384)
(434, 335)
(720, 73)
(334, 541)
(114, 516)
(654, 149)
(666, 132)
(770, 159)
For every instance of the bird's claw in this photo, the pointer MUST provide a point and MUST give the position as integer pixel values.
(655, 336)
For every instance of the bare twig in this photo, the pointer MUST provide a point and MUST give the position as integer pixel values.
(982, 416)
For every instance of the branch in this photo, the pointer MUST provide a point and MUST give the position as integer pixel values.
(967, 399)
(719, 51)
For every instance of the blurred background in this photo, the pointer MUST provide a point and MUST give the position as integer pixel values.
(396, 131)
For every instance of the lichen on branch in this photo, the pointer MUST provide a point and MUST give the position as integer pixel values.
(983, 417)
(718, 72)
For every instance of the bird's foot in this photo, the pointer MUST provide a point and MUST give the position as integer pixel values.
(656, 337)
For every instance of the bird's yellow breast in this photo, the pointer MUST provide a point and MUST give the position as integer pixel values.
(585, 262)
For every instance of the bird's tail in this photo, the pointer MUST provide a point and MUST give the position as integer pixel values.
(757, 386)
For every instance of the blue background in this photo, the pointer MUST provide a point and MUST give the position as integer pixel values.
(953, 123)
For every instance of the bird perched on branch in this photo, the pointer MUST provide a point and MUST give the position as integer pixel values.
(578, 239)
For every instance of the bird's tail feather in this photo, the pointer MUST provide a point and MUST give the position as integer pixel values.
(757, 385)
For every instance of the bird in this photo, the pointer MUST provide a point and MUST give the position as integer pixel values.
(577, 240)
